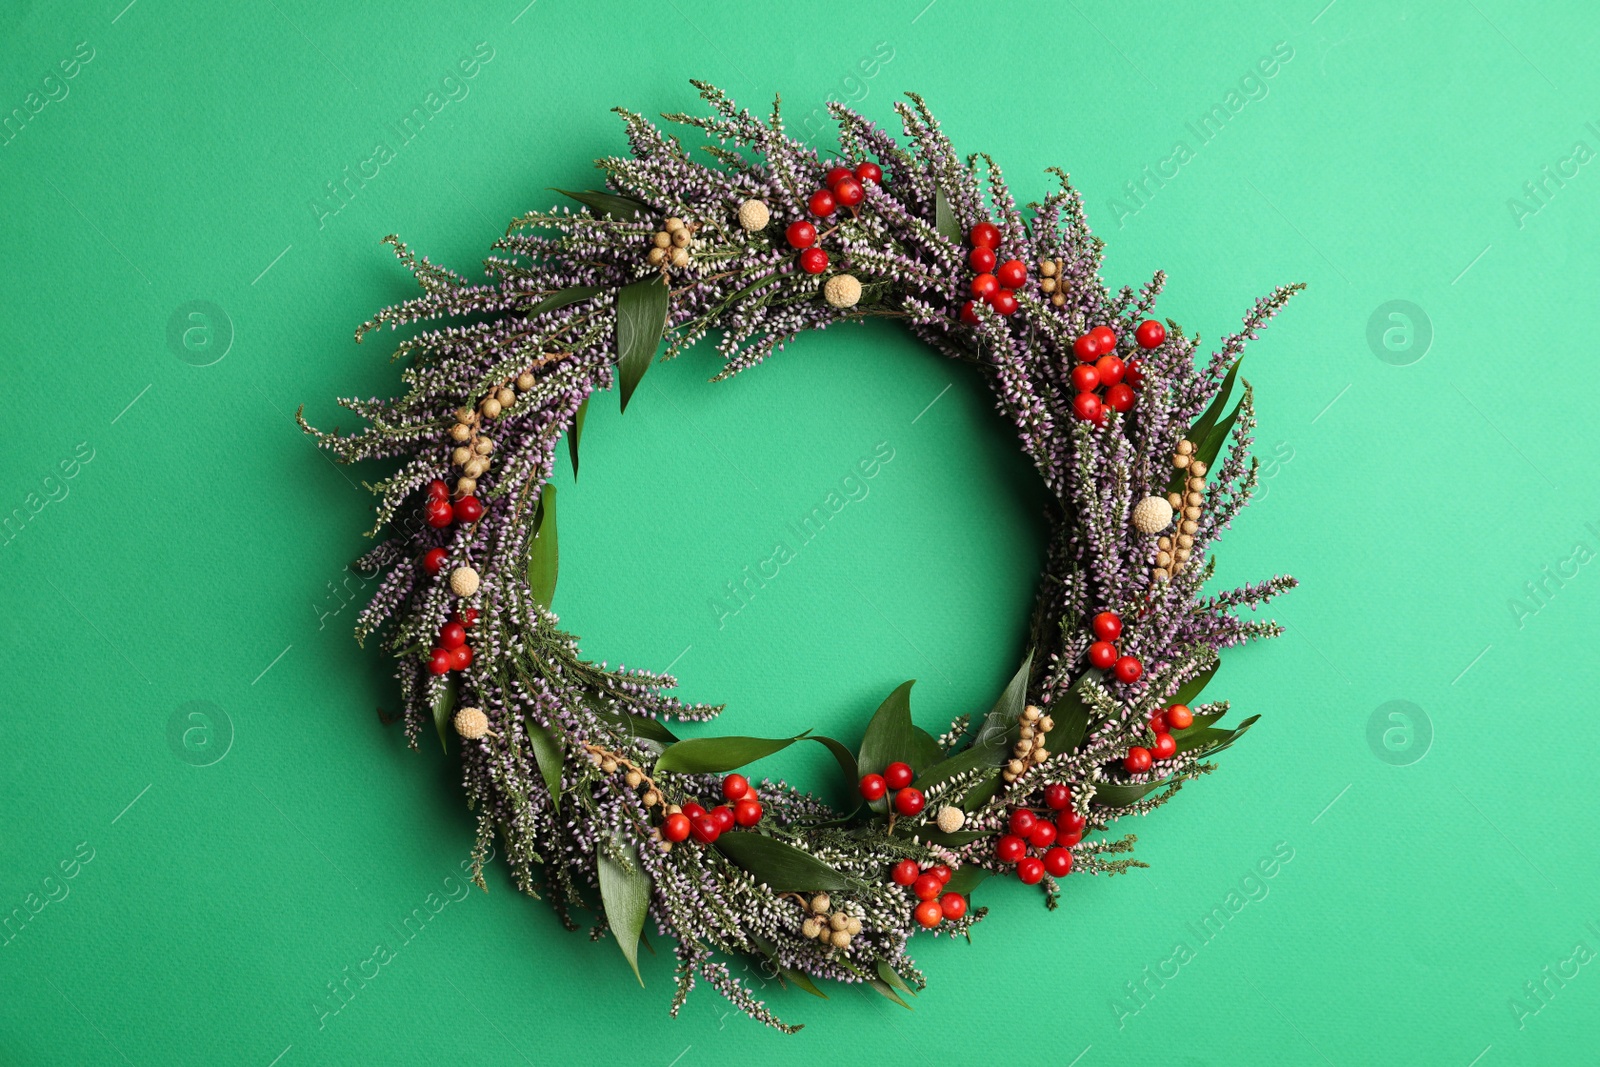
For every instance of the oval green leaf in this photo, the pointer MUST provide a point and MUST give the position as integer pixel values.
(713, 755)
(547, 754)
(784, 868)
(608, 205)
(544, 553)
(444, 705)
(641, 319)
(562, 297)
(625, 895)
(576, 434)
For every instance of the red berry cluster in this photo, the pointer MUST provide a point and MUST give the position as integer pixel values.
(452, 653)
(440, 513)
(1162, 723)
(1052, 841)
(935, 905)
(1103, 653)
(707, 826)
(845, 187)
(996, 283)
(896, 776)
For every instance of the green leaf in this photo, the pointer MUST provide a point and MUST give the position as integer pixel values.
(1072, 713)
(983, 792)
(1201, 430)
(802, 980)
(1194, 686)
(575, 433)
(563, 297)
(713, 755)
(1212, 741)
(652, 733)
(544, 552)
(784, 868)
(966, 879)
(944, 218)
(1212, 446)
(955, 840)
(1121, 794)
(1006, 711)
(625, 895)
(608, 205)
(882, 988)
(444, 705)
(887, 973)
(547, 753)
(641, 319)
(890, 735)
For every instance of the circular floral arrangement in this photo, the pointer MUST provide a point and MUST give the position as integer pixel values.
(596, 801)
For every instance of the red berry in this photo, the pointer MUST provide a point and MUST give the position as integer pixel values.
(801, 234)
(985, 235)
(1150, 334)
(693, 810)
(927, 886)
(1012, 274)
(1108, 626)
(440, 514)
(1030, 871)
(1111, 369)
(747, 812)
(1120, 397)
(438, 661)
(1057, 862)
(675, 827)
(1010, 849)
(1085, 379)
(1179, 717)
(1005, 302)
(1137, 761)
(1057, 796)
(953, 905)
(834, 175)
(905, 872)
(984, 286)
(969, 313)
(813, 261)
(1158, 723)
(705, 829)
(1086, 406)
(1128, 669)
(1070, 822)
(929, 913)
(849, 192)
(1043, 834)
(468, 617)
(897, 775)
(461, 658)
(434, 558)
(1105, 337)
(873, 786)
(735, 786)
(1086, 348)
(438, 490)
(1134, 375)
(723, 816)
(1164, 748)
(869, 172)
(942, 872)
(452, 635)
(982, 259)
(1068, 838)
(822, 203)
(1102, 654)
(469, 509)
(1022, 822)
(909, 801)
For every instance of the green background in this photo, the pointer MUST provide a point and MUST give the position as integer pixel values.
(1424, 473)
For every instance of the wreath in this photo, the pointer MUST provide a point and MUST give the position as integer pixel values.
(596, 800)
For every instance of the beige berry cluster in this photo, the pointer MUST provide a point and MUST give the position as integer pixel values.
(1173, 552)
(472, 724)
(842, 291)
(1030, 747)
(611, 762)
(669, 246)
(473, 447)
(834, 928)
(754, 215)
(1052, 281)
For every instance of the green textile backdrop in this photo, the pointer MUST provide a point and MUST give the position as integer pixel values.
(207, 825)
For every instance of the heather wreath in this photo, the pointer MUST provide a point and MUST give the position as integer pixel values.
(748, 240)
